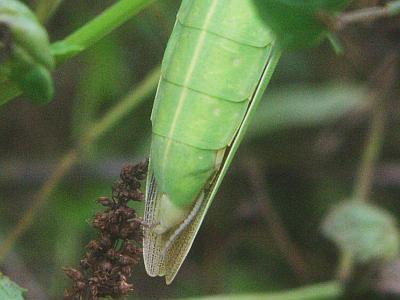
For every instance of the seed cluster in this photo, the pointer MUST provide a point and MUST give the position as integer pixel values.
(107, 266)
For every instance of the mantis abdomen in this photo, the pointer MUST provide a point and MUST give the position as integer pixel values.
(209, 73)
(212, 65)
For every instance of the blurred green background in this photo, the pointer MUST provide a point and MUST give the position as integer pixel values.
(299, 158)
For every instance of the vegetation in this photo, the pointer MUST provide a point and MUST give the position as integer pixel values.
(308, 209)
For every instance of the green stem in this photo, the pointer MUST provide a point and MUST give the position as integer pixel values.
(96, 29)
(371, 153)
(85, 37)
(140, 93)
(322, 291)
(123, 108)
(45, 9)
(382, 82)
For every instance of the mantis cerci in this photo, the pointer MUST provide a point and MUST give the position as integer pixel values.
(218, 62)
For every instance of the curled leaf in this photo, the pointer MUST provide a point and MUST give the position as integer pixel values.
(25, 53)
(364, 231)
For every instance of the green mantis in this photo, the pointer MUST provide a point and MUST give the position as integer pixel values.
(217, 64)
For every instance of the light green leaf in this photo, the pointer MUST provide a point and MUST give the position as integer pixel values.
(362, 230)
(9, 290)
(306, 106)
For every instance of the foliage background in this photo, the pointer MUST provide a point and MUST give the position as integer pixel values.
(299, 159)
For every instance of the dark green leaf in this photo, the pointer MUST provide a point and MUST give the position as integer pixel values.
(295, 22)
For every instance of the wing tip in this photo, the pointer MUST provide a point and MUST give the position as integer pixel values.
(153, 262)
(169, 280)
(167, 264)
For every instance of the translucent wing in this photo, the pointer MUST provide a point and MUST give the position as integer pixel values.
(153, 244)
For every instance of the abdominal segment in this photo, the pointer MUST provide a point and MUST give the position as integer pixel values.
(182, 173)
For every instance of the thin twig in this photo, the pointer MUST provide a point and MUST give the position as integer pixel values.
(281, 237)
(129, 103)
(364, 15)
(371, 153)
(37, 202)
(383, 81)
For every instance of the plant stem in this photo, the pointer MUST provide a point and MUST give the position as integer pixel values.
(345, 266)
(322, 291)
(371, 153)
(122, 109)
(383, 80)
(99, 27)
(45, 9)
(40, 197)
(129, 103)
(368, 14)
(289, 250)
(85, 37)
(381, 83)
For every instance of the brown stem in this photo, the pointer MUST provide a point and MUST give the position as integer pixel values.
(363, 15)
(382, 82)
(37, 202)
(281, 237)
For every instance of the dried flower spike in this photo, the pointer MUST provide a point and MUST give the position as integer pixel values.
(106, 268)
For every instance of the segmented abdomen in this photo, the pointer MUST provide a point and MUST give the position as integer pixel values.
(212, 64)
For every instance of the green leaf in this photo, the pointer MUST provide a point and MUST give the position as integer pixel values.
(9, 290)
(305, 106)
(364, 231)
(26, 49)
(37, 84)
(93, 31)
(295, 22)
